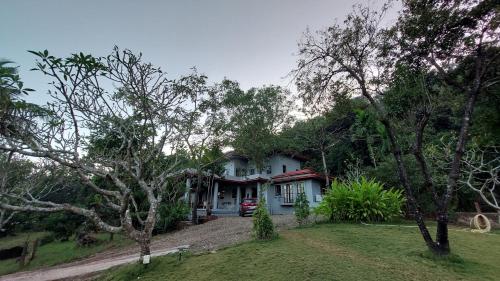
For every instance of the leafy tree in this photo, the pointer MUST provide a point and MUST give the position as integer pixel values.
(202, 130)
(258, 115)
(366, 127)
(358, 57)
(315, 135)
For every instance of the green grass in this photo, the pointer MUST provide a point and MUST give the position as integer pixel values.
(19, 239)
(60, 252)
(333, 252)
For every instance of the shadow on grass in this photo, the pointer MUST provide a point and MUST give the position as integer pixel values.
(452, 261)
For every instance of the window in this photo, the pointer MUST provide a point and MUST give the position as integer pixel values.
(300, 187)
(234, 193)
(241, 172)
(284, 168)
(268, 170)
(289, 196)
(277, 190)
(252, 171)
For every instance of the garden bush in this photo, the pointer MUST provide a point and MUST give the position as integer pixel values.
(262, 224)
(301, 207)
(360, 200)
(170, 215)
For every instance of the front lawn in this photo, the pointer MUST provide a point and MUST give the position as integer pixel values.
(333, 252)
(56, 252)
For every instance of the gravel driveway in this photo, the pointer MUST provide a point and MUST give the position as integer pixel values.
(218, 233)
(212, 235)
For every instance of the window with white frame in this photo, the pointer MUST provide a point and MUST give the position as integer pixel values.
(300, 187)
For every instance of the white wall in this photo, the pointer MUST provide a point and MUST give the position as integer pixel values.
(278, 161)
(229, 167)
(311, 188)
(228, 202)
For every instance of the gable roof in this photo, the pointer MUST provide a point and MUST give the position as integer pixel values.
(297, 175)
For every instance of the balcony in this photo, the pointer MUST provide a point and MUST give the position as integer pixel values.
(247, 177)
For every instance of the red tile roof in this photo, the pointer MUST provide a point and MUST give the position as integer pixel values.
(297, 175)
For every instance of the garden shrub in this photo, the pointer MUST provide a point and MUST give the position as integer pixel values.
(360, 200)
(262, 224)
(170, 215)
(301, 207)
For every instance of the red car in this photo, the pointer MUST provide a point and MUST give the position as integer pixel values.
(248, 206)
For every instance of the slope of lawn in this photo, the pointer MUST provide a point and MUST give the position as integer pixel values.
(332, 252)
(56, 252)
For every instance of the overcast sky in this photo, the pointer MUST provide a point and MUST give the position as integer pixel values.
(250, 41)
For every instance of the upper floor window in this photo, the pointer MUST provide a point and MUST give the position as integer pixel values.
(268, 170)
(284, 168)
(252, 171)
(240, 172)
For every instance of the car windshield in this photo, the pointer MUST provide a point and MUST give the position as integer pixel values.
(249, 201)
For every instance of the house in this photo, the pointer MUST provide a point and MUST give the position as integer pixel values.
(280, 180)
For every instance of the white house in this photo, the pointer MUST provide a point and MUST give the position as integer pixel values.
(281, 179)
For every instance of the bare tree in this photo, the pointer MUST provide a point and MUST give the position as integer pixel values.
(130, 109)
(7, 180)
(357, 57)
(482, 174)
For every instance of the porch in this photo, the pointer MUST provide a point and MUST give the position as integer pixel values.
(223, 197)
(226, 198)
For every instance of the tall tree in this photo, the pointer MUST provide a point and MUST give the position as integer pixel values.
(357, 57)
(140, 113)
(256, 116)
(202, 127)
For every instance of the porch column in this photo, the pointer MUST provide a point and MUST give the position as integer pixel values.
(259, 190)
(238, 196)
(188, 190)
(216, 192)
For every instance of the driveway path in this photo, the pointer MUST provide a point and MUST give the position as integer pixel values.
(69, 272)
(212, 235)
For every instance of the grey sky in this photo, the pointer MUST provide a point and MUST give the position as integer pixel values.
(252, 42)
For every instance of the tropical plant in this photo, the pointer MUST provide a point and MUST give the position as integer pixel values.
(360, 200)
(170, 215)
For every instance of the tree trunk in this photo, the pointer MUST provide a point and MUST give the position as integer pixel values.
(145, 248)
(194, 214)
(325, 169)
(442, 245)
